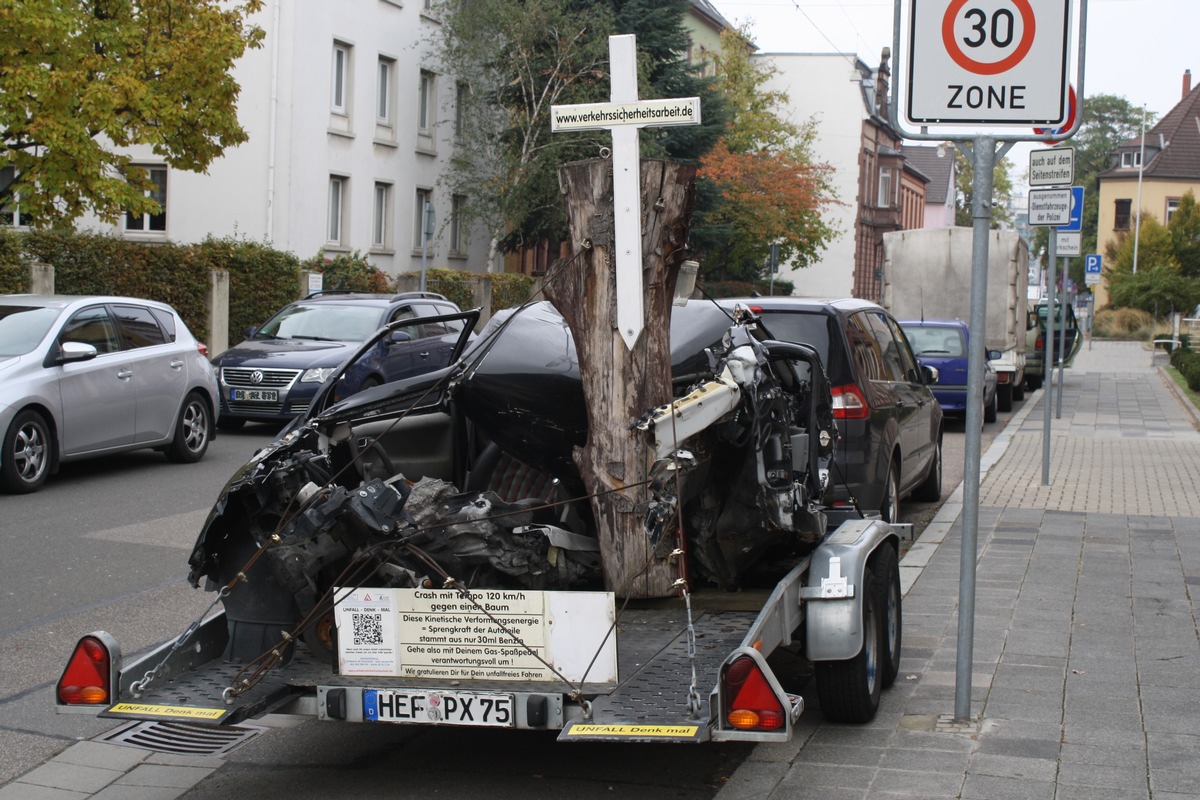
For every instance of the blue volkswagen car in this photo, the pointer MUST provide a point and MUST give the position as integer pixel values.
(943, 345)
(273, 375)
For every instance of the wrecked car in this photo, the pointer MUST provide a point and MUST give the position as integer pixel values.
(468, 472)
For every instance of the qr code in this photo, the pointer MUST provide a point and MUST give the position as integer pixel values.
(368, 628)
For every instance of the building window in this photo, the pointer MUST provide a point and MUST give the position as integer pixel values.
(423, 197)
(152, 223)
(460, 110)
(381, 224)
(425, 115)
(1131, 159)
(340, 94)
(337, 208)
(1172, 207)
(383, 100)
(458, 243)
(10, 208)
(1121, 220)
(885, 187)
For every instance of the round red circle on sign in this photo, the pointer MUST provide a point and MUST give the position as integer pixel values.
(1066, 126)
(983, 67)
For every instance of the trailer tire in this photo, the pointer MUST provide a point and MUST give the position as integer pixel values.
(885, 566)
(1019, 390)
(1004, 397)
(848, 691)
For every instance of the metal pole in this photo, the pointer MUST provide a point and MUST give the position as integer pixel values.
(1137, 220)
(426, 231)
(1062, 337)
(984, 152)
(1048, 360)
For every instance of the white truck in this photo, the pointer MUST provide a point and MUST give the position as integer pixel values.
(927, 275)
(360, 584)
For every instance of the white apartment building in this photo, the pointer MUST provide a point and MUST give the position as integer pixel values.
(350, 127)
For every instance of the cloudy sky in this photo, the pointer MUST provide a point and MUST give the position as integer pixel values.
(1136, 49)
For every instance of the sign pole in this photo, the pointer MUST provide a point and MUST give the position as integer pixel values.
(1048, 361)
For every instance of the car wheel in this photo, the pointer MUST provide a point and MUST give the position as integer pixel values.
(25, 461)
(193, 430)
(885, 566)
(849, 690)
(1004, 397)
(230, 423)
(930, 490)
(1034, 381)
(889, 506)
(989, 411)
(1019, 391)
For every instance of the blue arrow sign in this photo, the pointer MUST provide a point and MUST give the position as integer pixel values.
(1076, 223)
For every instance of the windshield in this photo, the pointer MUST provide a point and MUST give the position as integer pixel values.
(323, 322)
(936, 341)
(23, 327)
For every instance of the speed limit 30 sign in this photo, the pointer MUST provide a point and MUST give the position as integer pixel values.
(1001, 62)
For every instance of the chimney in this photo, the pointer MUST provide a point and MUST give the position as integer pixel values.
(1187, 82)
(881, 82)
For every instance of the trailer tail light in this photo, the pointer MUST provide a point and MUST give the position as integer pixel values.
(750, 702)
(1040, 344)
(849, 402)
(88, 678)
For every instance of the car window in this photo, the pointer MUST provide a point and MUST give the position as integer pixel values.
(23, 327)
(936, 341)
(810, 329)
(904, 355)
(92, 326)
(867, 343)
(166, 321)
(324, 321)
(139, 325)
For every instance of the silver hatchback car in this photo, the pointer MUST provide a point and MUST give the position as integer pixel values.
(88, 376)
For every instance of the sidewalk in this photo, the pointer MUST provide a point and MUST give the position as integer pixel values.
(1086, 663)
(1086, 674)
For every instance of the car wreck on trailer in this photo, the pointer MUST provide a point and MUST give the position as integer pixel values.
(423, 552)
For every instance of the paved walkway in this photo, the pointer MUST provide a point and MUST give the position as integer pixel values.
(1086, 669)
(1086, 662)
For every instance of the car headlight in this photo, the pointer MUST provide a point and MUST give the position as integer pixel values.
(317, 375)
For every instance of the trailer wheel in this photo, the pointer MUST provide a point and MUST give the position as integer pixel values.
(1004, 397)
(849, 690)
(1019, 390)
(886, 568)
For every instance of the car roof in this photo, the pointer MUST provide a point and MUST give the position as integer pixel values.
(843, 305)
(370, 298)
(933, 323)
(66, 300)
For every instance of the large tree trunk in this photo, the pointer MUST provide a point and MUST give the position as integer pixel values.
(620, 385)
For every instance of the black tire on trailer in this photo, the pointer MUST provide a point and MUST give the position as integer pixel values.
(1004, 397)
(1034, 381)
(1019, 390)
(885, 566)
(848, 691)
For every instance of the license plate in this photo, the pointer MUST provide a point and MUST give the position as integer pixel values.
(254, 395)
(439, 708)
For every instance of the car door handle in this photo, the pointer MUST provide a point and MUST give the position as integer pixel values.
(177, 363)
(124, 374)
(425, 354)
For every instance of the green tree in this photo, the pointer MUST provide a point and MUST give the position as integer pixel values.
(82, 82)
(965, 187)
(1108, 121)
(1184, 231)
(762, 169)
(1164, 281)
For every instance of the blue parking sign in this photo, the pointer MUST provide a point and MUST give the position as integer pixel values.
(1092, 264)
(1076, 223)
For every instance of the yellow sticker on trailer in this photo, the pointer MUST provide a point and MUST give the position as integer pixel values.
(666, 731)
(144, 711)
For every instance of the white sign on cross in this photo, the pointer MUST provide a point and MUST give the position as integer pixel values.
(623, 117)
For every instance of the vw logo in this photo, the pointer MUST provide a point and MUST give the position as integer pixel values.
(256, 377)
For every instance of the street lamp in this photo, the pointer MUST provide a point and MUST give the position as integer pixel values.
(426, 234)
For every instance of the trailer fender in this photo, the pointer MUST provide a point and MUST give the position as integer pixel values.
(833, 611)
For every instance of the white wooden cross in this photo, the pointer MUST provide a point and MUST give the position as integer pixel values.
(624, 116)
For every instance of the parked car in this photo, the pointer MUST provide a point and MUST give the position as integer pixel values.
(890, 421)
(1035, 341)
(273, 375)
(944, 345)
(88, 376)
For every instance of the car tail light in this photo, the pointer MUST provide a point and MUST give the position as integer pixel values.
(750, 702)
(87, 680)
(1002, 377)
(203, 348)
(849, 402)
(1041, 343)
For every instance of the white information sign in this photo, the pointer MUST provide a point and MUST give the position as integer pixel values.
(1050, 206)
(996, 62)
(503, 635)
(1053, 167)
(1069, 243)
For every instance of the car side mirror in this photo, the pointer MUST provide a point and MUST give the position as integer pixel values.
(70, 352)
(930, 374)
(249, 332)
(994, 355)
(398, 337)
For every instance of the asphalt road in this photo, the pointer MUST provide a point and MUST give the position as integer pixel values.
(104, 546)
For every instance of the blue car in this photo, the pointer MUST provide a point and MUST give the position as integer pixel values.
(273, 375)
(942, 344)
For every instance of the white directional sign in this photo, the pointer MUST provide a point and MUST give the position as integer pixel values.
(1050, 207)
(1052, 167)
(993, 62)
(624, 116)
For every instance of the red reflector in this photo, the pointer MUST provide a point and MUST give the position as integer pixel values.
(849, 402)
(85, 679)
(1040, 344)
(750, 702)
(1002, 377)
(203, 348)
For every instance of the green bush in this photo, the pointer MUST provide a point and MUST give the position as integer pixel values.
(456, 285)
(1188, 364)
(1123, 323)
(350, 272)
(510, 289)
(261, 279)
(14, 275)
